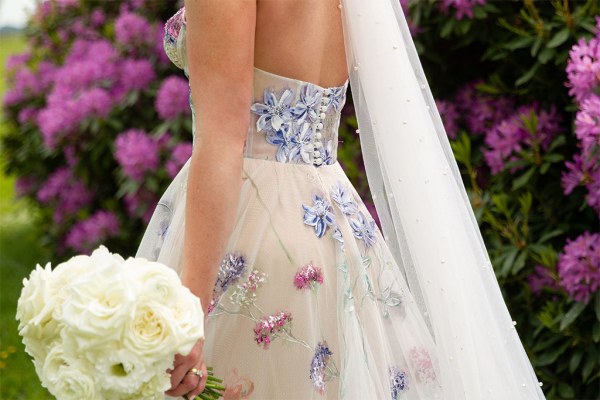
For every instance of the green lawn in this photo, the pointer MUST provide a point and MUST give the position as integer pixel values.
(19, 253)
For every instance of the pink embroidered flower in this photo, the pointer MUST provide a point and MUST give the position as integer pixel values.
(269, 327)
(240, 387)
(422, 364)
(308, 277)
(245, 294)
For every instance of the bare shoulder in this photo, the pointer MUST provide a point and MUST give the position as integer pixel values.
(301, 39)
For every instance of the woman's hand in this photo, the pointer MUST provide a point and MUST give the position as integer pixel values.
(183, 382)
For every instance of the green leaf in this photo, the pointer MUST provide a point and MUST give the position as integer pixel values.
(523, 179)
(572, 315)
(519, 43)
(575, 361)
(527, 75)
(559, 38)
(509, 261)
(597, 306)
(565, 390)
(546, 55)
(536, 46)
(550, 235)
(554, 157)
(519, 262)
(588, 367)
(447, 28)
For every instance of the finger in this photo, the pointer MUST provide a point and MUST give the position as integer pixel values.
(201, 384)
(187, 384)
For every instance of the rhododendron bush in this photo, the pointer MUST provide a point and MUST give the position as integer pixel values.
(98, 123)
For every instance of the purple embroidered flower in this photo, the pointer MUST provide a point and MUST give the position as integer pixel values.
(270, 326)
(342, 196)
(579, 266)
(421, 361)
(363, 229)
(541, 278)
(173, 98)
(87, 234)
(320, 215)
(308, 277)
(318, 367)
(398, 382)
(245, 294)
(137, 153)
(307, 108)
(232, 267)
(180, 154)
(273, 113)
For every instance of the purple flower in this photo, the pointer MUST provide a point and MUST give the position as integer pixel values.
(172, 99)
(398, 382)
(136, 74)
(17, 61)
(318, 367)
(270, 326)
(87, 234)
(97, 17)
(508, 138)
(579, 266)
(583, 68)
(140, 204)
(137, 153)
(181, 153)
(450, 115)
(462, 7)
(67, 193)
(308, 277)
(132, 29)
(587, 123)
(363, 229)
(320, 215)
(541, 278)
(24, 186)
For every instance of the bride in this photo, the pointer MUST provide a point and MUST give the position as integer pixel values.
(303, 295)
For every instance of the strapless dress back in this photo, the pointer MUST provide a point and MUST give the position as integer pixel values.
(308, 303)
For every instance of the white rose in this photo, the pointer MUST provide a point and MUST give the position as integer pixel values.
(123, 372)
(152, 332)
(34, 309)
(98, 304)
(158, 282)
(190, 320)
(67, 377)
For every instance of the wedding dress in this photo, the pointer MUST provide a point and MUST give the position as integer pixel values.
(309, 301)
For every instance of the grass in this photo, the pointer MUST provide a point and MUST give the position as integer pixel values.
(19, 253)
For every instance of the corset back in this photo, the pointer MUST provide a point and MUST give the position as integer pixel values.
(292, 121)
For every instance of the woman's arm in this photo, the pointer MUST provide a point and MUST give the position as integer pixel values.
(220, 47)
(220, 57)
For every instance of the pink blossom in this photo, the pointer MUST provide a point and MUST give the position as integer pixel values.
(270, 326)
(449, 113)
(463, 7)
(541, 278)
(137, 153)
(87, 234)
(583, 68)
(172, 99)
(308, 277)
(181, 153)
(579, 266)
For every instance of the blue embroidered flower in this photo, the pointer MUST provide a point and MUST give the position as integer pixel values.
(283, 138)
(398, 382)
(232, 267)
(301, 140)
(363, 229)
(337, 235)
(344, 199)
(328, 153)
(318, 366)
(337, 98)
(308, 105)
(163, 228)
(320, 215)
(273, 113)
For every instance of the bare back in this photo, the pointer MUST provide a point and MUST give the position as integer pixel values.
(301, 39)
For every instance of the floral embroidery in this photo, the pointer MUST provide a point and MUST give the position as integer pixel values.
(301, 143)
(274, 113)
(328, 156)
(363, 229)
(308, 277)
(245, 294)
(318, 367)
(293, 142)
(232, 267)
(241, 387)
(270, 326)
(308, 105)
(422, 363)
(344, 200)
(398, 382)
(173, 28)
(282, 138)
(163, 228)
(337, 98)
(320, 215)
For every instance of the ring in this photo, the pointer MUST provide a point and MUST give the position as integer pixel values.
(196, 372)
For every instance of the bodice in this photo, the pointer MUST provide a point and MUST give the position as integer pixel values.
(292, 121)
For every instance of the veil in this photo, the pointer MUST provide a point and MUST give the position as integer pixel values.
(425, 213)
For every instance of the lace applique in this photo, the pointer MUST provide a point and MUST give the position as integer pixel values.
(173, 29)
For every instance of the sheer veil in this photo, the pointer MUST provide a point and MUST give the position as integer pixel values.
(425, 212)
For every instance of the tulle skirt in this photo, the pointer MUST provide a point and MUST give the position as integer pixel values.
(309, 302)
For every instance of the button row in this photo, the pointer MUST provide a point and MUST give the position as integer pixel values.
(317, 144)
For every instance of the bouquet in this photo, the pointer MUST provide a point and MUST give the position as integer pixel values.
(101, 327)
